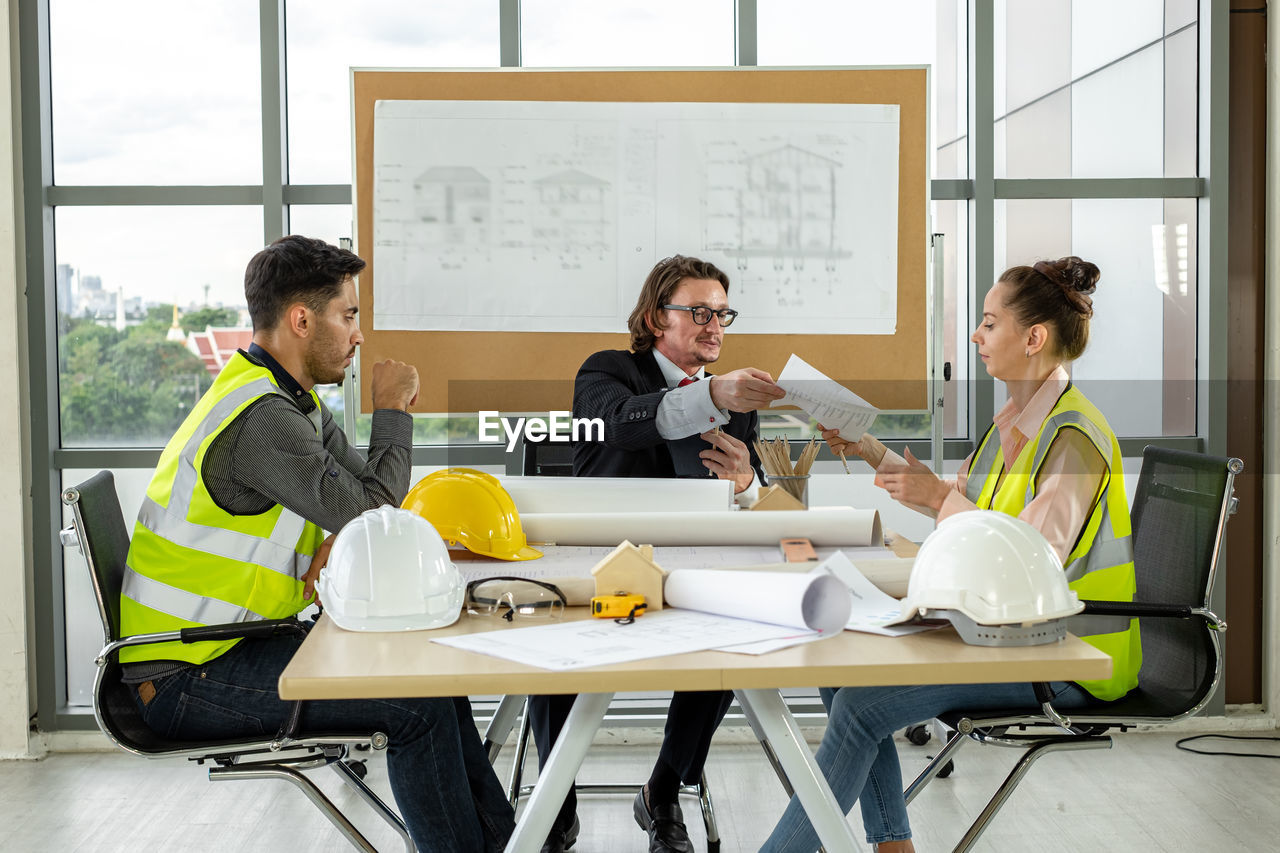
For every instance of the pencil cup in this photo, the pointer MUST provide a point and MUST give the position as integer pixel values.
(797, 485)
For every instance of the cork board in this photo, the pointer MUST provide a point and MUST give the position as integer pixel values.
(533, 371)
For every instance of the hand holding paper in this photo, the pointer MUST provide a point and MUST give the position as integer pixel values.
(824, 399)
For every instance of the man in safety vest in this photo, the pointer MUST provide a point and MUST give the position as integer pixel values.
(232, 529)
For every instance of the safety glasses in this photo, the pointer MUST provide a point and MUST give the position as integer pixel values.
(514, 598)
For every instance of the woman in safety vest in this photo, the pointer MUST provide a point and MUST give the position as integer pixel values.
(1049, 458)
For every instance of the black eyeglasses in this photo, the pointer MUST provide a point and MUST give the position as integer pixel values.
(702, 314)
(515, 598)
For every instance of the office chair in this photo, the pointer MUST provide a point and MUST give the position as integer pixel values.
(556, 460)
(98, 529)
(544, 459)
(1180, 509)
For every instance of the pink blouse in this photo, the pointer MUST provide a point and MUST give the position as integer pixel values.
(1070, 478)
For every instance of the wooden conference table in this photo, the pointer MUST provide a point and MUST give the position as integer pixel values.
(337, 664)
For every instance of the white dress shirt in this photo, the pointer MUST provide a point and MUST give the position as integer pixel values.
(689, 411)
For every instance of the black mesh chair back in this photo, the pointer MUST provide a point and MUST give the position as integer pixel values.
(544, 459)
(1180, 508)
(105, 541)
(103, 538)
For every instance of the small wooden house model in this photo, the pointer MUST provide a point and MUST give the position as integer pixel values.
(630, 568)
(776, 498)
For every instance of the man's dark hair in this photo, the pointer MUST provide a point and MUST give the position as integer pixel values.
(663, 280)
(295, 269)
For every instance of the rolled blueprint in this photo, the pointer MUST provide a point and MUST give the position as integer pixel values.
(818, 602)
(617, 494)
(824, 527)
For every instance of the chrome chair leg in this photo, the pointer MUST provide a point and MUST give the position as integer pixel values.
(514, 788)
(935, 766)
(375, 802)
(500, 725)
(302, 783)
(1015, 776)
(708, 813)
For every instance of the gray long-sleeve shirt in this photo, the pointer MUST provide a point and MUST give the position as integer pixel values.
(271, 454)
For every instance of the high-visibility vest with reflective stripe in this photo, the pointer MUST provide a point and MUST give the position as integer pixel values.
(1100, 565)
(193, 563)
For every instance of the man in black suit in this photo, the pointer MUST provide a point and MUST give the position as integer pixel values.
(664, 416)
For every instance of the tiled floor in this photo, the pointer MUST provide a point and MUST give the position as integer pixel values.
(1142, 795)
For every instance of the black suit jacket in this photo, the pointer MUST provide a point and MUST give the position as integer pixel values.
(624, 389)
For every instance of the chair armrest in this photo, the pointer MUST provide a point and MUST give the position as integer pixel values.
(1045, 697)
(229, 631)
(1134, 608)
(237, 630)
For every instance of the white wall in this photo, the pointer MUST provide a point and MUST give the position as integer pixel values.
(15, 681)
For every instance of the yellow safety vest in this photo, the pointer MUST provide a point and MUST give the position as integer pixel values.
(193, 563)
(1100, 565)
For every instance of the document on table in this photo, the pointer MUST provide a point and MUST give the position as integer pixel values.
(825, 400)
(600, 642)
(873, 612)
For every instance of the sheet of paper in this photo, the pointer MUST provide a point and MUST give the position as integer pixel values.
(872, 611)
(599, 642)
(825, 400)
(766, 646)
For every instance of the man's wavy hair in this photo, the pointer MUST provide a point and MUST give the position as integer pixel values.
(662, 281)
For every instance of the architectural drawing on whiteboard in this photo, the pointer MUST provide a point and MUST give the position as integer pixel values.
(547, 216)
(573, 213)
(785, 211)
(457, 201)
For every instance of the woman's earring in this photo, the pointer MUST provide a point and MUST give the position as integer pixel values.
(1028, 352)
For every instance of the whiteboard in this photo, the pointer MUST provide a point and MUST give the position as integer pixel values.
(479, 206)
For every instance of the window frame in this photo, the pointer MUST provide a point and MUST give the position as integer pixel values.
(275, 195)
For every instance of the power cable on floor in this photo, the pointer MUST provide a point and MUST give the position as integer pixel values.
(1179, 745)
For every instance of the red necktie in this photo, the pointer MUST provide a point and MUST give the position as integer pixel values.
(688, 380)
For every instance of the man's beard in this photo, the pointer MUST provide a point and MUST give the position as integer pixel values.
(325, 374)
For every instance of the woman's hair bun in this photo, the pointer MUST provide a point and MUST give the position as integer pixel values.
(1077, 277)
(1070, 273)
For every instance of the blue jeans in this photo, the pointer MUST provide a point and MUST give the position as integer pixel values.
(860, 761)
(447, 792)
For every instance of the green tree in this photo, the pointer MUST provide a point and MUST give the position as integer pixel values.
(130, 387)
(200, 319)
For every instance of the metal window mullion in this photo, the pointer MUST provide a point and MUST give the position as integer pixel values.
(509, 33)
(746, 39)
(981, 90)
(42, 393)
(317, 194)
(1100, 188)
(1212, 329)
(275, 153)
(116, 196)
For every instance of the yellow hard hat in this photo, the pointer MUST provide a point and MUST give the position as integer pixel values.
(471, 508)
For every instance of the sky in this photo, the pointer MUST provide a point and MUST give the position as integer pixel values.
(169, 94)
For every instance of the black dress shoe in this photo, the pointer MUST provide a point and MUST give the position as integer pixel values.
(665, 825)
(560, 839)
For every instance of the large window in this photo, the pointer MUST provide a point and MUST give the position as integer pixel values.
(158, 93)
(1093, 90)
(325, 39)
(182, 137)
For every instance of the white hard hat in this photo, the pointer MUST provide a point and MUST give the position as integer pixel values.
(983, 569)
(390, 571)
